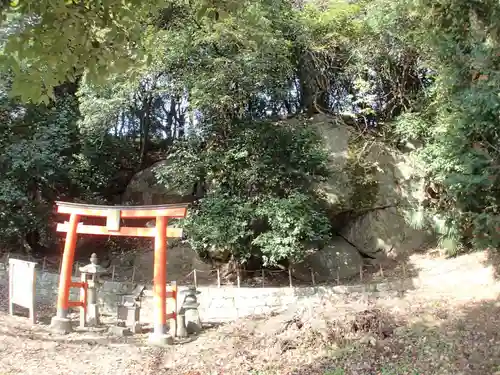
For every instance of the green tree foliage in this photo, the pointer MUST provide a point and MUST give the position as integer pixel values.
(259, 200)
(206, 82)
(51, 42)
(34, 162)
(111, 36)
(457, 120)
(44, 158)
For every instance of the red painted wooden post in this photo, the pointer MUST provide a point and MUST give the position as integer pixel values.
(160, 277)
(67, 267)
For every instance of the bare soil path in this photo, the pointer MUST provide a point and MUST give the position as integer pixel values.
(449, 326)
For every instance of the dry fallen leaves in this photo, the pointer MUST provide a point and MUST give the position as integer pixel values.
(422, 332)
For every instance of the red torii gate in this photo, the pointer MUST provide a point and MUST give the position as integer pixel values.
(113, 216)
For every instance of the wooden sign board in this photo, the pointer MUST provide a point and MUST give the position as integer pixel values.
(22, 286)
(113, 220)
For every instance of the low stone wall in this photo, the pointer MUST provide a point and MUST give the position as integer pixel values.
(451, 277)
(225, 303)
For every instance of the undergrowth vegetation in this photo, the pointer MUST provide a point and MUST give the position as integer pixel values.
(204, 85)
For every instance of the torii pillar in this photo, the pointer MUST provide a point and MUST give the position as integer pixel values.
(113, 216)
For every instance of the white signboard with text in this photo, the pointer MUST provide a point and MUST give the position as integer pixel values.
(22, 285)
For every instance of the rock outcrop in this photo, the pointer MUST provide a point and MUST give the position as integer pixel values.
(371, 191)
(384, 233)
(338, 259)
(336, 137)
(145, 189)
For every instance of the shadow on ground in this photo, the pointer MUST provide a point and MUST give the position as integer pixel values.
(89, 339)
(465, 341)
(493, 260)
(432, 337)
(19, 328)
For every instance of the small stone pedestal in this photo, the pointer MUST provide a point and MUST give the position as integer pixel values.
(129, 309)
(61, 325)
(160, 340)
(130, 314)
(120, 330)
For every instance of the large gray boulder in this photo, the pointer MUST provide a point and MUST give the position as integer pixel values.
(357, 162)
(338, 188)
(144, 189)
(383, 229)
(385, 233)
(366, 173)
(374, 183)
(337, 259)
(399, 178)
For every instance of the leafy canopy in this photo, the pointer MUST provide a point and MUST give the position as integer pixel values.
(49, 42)
(457, 42)
(214, 77)
(260, 201)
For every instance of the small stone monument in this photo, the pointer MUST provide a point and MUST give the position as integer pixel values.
(129, 308)
(189, 311)
(91, 274)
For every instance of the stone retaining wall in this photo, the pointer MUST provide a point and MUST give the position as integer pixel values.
(469, 272)
(225, 303)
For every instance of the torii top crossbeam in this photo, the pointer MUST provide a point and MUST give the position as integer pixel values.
(113, 215)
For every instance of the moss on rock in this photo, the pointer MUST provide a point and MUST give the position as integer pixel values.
(362, 176)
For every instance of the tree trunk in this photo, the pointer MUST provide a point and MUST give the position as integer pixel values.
(145, 121)
(313, 98)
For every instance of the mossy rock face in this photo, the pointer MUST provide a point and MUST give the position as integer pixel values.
(362, 175)
(144, 189)
(385, 232)
(370, 188)
(353, 184)
(365, 173)
(335, 137)
(337, 259)
(389, 184)
(381, 177)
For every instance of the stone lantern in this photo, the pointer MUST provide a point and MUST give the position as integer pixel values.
(91, 274)
(189, 311)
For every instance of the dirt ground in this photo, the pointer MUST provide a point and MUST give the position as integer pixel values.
(449, 326)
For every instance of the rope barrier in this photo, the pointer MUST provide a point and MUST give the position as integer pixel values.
(268, 278)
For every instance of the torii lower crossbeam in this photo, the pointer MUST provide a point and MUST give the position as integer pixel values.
(113, 215)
